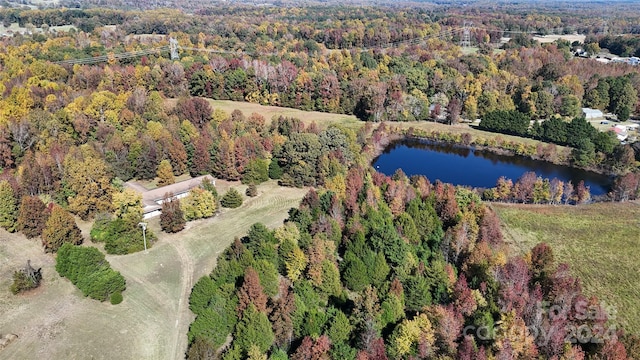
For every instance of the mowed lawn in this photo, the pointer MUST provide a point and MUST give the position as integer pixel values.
(600, 242)
(57, 322)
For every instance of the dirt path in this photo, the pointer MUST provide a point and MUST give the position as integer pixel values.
(57, 322)
(183, 319)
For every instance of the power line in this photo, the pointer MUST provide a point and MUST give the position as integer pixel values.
(465, 41)
(118, 56)
(173, 48)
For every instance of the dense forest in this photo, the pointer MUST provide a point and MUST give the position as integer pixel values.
(394, 268)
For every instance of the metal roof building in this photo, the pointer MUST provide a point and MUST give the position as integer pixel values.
(590, 114)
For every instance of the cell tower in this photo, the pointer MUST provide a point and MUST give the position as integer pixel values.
(173, 47)
(465, 42)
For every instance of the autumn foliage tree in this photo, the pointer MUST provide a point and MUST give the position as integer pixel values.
(87, 178)
(165, 173)
(59, 229)
(127, 205)
(196, 110)
(281, 314)
(199, 204)
(32, 216)
(311, 349)
(251, 292)
(172, 217)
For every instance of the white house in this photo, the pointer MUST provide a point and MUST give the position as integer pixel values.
(152, 199)
(592, 114)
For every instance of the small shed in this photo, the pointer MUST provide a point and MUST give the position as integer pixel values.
(592, 114)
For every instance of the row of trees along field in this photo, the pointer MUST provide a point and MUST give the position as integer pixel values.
(591, 147)
(393, 268)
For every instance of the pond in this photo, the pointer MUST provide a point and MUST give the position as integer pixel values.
(460, 165)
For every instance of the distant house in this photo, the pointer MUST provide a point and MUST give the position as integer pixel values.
(592, 114)
(621, 132)
(152, 199)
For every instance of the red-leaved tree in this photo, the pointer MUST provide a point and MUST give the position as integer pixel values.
(251, 292)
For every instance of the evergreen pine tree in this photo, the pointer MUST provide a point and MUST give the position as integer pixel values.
(232, 199)
(8, 207)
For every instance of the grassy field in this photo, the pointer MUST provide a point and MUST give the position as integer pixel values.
(601, 243)
(322, 119)
(325, 119)
(57, 322)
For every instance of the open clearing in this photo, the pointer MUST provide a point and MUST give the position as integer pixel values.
(57, 322)
(600, 242)
(323, 120)
(551, 38)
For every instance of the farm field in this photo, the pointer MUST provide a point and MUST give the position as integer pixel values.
(599, 241)
(56, 322)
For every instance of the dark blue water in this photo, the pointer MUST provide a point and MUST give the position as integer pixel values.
(476, 168)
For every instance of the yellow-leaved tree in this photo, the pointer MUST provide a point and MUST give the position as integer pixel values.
(409, 334)
(165, 173)
(127, 205)
(295, 263)
(105, 106)
(88, 181)
(199, 204)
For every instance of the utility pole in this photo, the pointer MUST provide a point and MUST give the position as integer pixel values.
(144, 234)
(173, 47)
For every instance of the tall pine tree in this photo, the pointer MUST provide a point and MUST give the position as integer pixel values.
(8, 207)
